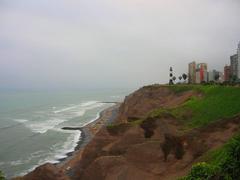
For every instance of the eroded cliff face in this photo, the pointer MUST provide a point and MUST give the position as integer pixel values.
(142, 147)
(146, 99)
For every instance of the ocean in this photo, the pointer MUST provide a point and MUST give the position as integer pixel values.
(31, 122)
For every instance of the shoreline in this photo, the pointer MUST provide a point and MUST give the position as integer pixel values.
(88, 132)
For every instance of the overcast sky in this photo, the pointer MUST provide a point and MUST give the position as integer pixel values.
(111, 43)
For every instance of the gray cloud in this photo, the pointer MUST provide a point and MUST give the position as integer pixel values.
(106, 43)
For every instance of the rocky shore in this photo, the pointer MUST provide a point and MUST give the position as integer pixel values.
(88, 132)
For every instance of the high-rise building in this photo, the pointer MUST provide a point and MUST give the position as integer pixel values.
(227, 73)
(192, 72)
(221, 77)
(234, 65)
(202, 68)
(197, 73)
(198, 77)
(215, 76)
(210, 76)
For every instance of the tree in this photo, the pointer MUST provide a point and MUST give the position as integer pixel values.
(170, 82)
(216, 77)
(174, 78)
(184, 76)
(180, 78)
(234, 78)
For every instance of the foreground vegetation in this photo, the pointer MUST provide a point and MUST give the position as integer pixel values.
(221, 164)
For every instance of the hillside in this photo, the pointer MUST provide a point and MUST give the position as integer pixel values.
(160, 132)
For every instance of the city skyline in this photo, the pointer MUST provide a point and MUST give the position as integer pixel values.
(198, 72)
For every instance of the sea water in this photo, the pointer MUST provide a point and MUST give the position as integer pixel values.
(31, 122)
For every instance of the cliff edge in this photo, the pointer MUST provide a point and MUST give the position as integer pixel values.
(160, 131)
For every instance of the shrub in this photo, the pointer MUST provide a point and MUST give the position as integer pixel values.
(231, 166)
(224, 164)
(202, 171)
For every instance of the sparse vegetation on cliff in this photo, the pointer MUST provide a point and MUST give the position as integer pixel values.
(223, 163)
(213, 103)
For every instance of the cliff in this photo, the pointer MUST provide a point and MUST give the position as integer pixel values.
(160, 131)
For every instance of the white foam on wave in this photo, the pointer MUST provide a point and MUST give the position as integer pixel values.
(65, 109)
(43, 126)
(59, 151)
(16, 163)
(96, 118)
(77, 110)
(69, 145)
(21, 120)
(57, 117)
(82, 106)
(89, 103)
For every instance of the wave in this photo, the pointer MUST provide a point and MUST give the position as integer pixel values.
(89, 103)
(52, 120)
(58, 151)
(21, 120)
(60, 116)
(68, 146)
(65, 109)
(83, 106)
(97, 117)
(43, 126)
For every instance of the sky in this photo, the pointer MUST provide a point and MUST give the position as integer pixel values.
(111, 43)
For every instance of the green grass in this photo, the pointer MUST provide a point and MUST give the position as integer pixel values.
(213, 103)
(216, 102)
(218, 156)
(224, 162)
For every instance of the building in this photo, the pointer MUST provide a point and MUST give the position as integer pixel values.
(221, 77)
(192, 72)
(202, 68)
(215, 76)
(197, 73)
(234, 65)
(210, 76)
(198, 78)
(227, 73)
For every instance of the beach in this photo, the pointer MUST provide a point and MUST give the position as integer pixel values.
(106, 117)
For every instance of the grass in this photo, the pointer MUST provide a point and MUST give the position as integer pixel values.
(214, 103)
(224, 162)
(218, 102)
